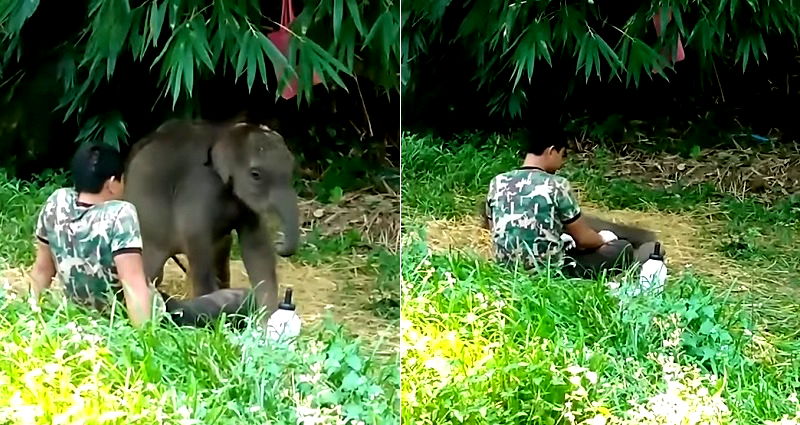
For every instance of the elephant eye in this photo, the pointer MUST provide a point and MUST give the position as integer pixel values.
(255, 174)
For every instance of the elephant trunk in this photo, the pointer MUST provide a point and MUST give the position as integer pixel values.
(284, 202)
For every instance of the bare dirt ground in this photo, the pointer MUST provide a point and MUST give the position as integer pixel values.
(336, 288)
(317, 291)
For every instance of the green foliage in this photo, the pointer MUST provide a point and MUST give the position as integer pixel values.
(509, 41)
(21, 202)
(443, 182)
(491, 345)
(92, 367)
(187, 41)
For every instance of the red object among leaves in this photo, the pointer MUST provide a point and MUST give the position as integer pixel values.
(281, 39)
(679, 54)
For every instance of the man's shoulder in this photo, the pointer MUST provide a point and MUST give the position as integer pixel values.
(115, 213)
(558, 180)
(118, 208)
(64, 195)
(525, 177)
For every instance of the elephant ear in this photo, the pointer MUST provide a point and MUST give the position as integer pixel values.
(220, 156)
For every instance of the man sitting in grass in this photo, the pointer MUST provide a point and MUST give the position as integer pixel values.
(90, 237)
(536, 221)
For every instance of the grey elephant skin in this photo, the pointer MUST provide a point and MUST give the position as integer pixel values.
(194, 183)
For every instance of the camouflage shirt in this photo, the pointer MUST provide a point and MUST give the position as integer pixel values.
(528, 209)
(84, 239)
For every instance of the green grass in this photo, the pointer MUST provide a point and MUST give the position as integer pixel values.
(486, 345)
(445, 180)
(63, 361)
(66, 360)
(21, 201)
(492, 346)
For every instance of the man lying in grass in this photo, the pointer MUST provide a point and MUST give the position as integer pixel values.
(536, 221)
(90, 237)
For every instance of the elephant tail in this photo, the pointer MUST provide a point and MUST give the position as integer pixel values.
(175, 259)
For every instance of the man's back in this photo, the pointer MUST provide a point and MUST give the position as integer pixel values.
(85, 238)
(528, 209)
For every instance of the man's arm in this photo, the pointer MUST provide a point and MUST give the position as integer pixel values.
(570, 214)
(44, 268)
(138, 297)
(126, 246)
(585, 237)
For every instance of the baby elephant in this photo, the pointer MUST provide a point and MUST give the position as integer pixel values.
(195, 183)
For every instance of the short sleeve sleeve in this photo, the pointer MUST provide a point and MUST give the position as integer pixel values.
(45, 219)
(487, 204)
(567, 207)
(126, 234)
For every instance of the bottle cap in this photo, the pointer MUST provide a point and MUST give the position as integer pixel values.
(656, 255)
(287, 301)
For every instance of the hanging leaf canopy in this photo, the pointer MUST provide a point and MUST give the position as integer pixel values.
(185, 41)
(507, 41)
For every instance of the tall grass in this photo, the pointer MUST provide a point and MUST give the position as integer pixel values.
(486, 345)
(61, 363)
(20, 202)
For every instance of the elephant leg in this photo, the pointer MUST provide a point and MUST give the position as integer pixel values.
(635, 235)
(259, 260)
(614, 256)
(154, 258)
(222, 257)
(200, 252)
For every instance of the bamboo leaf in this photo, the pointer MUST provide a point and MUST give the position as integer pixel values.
(16, 14)
(609, 55)
(244, 41)
(338, 9)
(352, 6)
(278, 60)
(67, 70)
(589, 57)
(252, 53)
(743, 52)
(137, 40)
(677, 16)
(199, 42)
(188, 71)
(762, 46)
(156, 22)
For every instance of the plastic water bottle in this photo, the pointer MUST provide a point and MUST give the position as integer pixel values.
(654, 271)
(284, 324)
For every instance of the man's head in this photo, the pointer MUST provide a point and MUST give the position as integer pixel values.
(97, 169)
(549, 148)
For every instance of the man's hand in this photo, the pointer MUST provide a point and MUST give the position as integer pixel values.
(569, 243)
(44, 268)
(138, 297)
(585, 237)
(607, 236)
